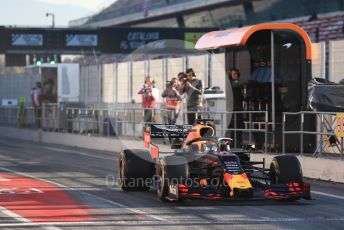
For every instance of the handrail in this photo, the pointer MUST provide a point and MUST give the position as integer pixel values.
(97, 120)
(326, 129)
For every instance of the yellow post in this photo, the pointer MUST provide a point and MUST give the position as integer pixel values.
(340, 125)
(340, 131)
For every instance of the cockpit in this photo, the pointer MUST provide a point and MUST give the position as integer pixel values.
(205, 145)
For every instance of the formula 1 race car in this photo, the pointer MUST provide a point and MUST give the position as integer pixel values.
(205, 166)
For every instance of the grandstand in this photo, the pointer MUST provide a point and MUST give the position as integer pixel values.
(322, 20)
(321, 28)
(123, 8)
(202, 13)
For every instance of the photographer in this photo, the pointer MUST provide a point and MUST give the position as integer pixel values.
(237, 87)
(150, 97)
(172, 101)
(181, 81)
(194, 93)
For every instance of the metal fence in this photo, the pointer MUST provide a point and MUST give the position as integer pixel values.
(129, 122)
(327, 143)
(125, 121)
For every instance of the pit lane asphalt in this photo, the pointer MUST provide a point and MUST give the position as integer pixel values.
(82, 173)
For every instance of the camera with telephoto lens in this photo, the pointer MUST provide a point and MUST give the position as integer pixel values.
(146, 90)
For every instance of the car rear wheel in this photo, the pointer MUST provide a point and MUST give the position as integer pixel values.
(135, 167)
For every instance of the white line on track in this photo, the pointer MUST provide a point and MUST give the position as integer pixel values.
(134, 210)
(13, 215)
(78, 152)
(2, 179)
(176, 223)
(328, 195)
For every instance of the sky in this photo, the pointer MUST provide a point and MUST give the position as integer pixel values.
(33, 12)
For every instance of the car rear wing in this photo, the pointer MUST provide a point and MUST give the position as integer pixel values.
(175, 133)
(169, 131)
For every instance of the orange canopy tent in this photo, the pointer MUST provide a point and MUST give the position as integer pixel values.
(240, 36)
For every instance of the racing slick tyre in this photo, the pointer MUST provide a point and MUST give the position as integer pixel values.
(285, 169)
(135, 167)
(172, 169)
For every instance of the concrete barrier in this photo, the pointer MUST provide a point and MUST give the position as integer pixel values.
(316, 168)
(74, 140)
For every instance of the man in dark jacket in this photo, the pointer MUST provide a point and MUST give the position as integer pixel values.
(36, 100)
(194, 95)
(237, 87)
